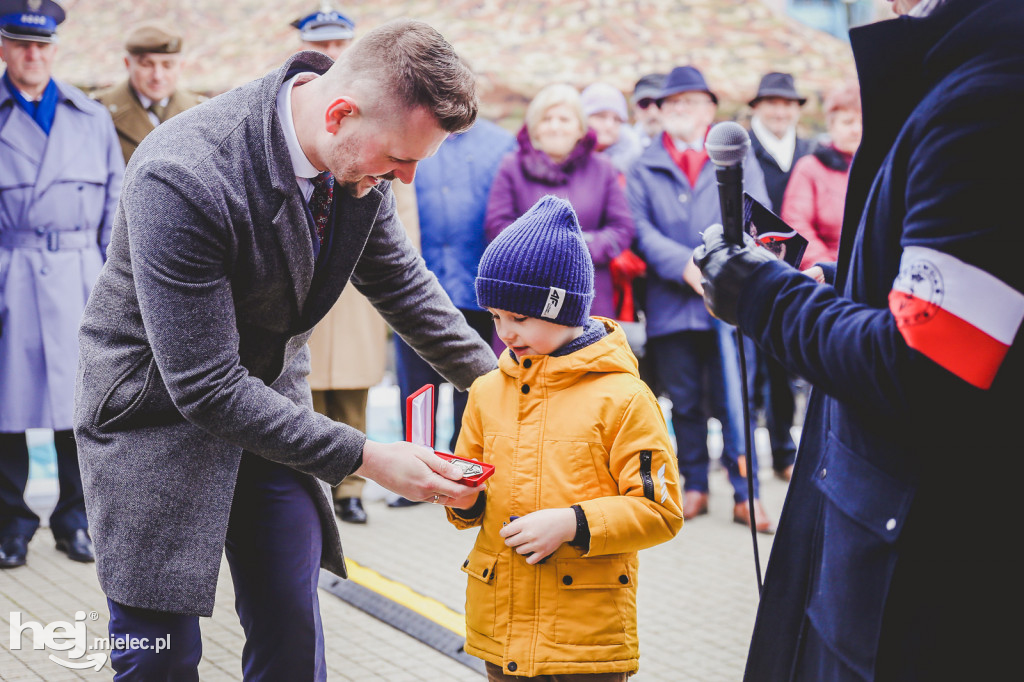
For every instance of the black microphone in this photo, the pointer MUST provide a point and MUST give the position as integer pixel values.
(727, 146)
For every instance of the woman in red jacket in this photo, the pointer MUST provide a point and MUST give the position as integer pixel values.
(815, 196)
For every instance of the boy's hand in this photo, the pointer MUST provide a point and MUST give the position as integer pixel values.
(540, 533)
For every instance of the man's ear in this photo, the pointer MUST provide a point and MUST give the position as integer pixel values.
(338, 111)
(127, 63)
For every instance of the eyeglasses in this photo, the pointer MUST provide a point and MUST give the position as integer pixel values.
(646, 103)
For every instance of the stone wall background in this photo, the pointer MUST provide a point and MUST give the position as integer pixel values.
(516, 46)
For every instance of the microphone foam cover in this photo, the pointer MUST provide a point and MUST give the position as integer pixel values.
(727, 144)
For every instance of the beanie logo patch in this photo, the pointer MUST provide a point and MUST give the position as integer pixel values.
(556, 297)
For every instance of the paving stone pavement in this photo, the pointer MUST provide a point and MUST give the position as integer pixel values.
(697, 600)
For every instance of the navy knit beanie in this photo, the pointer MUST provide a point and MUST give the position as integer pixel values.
(540, 267)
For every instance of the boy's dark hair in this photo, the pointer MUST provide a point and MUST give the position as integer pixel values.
(419, 68)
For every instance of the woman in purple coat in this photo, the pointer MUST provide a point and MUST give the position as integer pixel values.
(556, 155)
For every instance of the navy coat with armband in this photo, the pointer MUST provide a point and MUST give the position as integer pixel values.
(895, 553)
(193, 343)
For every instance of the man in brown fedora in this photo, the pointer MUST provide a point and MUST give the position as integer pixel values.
(150, 94)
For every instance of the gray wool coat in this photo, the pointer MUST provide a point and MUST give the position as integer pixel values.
(193, 343)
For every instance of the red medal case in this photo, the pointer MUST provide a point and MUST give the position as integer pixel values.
(419, 429)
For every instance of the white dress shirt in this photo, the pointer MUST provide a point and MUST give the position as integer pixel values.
(304, 170)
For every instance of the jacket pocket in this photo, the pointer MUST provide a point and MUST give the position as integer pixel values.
(481, 591)
(595, 597)
(138, 395)
(572, 471)
(863, 512)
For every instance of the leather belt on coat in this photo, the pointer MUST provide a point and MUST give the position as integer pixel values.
(55, 240)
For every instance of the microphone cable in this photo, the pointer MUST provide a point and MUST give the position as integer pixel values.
(748, 458)
(727, 144)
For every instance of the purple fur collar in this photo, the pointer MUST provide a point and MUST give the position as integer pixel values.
(538, 166)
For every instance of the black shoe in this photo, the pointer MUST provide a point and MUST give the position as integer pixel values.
(77, 546)
(350, 510)
(403, 502)
(13, 551)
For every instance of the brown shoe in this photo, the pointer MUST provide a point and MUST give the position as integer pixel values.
(741, 515)
(695, 503)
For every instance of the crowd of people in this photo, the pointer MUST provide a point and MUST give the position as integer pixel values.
(536, 267)
(577, 145)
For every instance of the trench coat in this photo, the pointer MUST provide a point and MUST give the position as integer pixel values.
(58, 194)
(193, 343)
(131, 120)
(895, 557)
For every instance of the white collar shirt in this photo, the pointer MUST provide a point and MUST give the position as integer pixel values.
(304, 170)
(146, 103)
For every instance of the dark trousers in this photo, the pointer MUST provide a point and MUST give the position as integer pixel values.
(273, 549)
(16, 518)
(414, 372)
(689, 368)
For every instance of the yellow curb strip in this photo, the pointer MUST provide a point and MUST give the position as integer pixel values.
(399, 593)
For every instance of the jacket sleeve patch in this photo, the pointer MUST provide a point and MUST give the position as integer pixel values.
(645, 474)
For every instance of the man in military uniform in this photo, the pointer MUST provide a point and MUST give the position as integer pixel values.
(60, 177)
(150, 95)
(327, 31)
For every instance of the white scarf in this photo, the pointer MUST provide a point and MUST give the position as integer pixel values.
(780, 148)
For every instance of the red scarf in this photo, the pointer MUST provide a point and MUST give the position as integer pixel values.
(690, 161)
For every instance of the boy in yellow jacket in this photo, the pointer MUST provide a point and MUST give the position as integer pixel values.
(585, 474)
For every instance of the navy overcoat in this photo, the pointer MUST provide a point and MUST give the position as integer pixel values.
(895, 556)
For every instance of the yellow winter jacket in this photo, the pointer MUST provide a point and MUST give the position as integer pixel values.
(577, 429)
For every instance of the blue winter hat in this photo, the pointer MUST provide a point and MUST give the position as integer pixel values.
(539, 266)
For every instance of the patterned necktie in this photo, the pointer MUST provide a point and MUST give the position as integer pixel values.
(320, 202)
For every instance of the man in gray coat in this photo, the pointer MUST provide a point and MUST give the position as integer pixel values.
(193, 414)
(60, 175)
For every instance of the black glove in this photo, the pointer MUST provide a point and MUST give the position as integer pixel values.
(725, 268)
